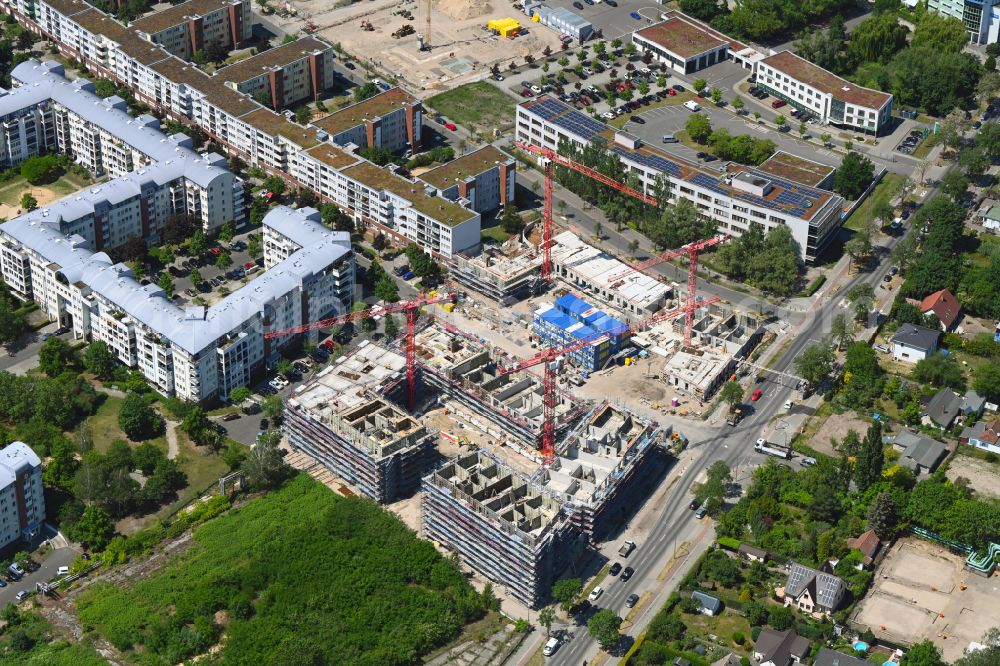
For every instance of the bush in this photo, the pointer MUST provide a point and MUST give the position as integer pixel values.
(729, 543)
(815, 285)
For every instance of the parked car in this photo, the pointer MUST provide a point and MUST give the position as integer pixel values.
(615, 569)
(264, 423)
(636, 15)
(526, 93)
(553, 643)
(755, 396)
(578, 5)
(778, 103)
(627, 573)
(611, 3)
(232, 416)
(637, 120)
(498, 77)
(701, 512)
(694, 504)
(595, 594)
(632, 600)
(451, 126)
(22, 595)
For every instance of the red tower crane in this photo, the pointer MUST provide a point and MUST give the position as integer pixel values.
(691, 250)
(411, 308)
(550, 354)
(554, 158)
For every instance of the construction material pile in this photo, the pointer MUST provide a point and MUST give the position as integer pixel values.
(461, 10)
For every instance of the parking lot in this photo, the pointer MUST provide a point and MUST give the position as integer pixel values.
(615, 20)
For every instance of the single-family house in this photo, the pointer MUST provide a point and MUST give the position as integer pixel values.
(752, 553)
(919, 453)
(869, 545)
(943, 304)
(729, 660)
(989, 215)
(780, 648)
(982, 435)
(973, 404)
(708, 605)
(828, 657)
(942, 409)
(813, 591)
(914, 343)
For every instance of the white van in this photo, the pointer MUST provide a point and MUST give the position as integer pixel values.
(62, 571)
(692, 105)
(550, 647)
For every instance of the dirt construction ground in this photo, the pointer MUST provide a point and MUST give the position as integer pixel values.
(837, 426)
(462, 49)
(984, 477)
(918, 594)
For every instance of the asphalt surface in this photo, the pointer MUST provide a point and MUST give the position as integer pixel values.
(60, 557)
(730, 444)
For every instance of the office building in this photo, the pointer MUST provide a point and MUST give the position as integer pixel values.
(823, 94)
(22, 500)
(682, 45)
(732, 195)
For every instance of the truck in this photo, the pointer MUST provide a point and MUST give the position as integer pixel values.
(626, 548)
(771, 449)
(735, 414)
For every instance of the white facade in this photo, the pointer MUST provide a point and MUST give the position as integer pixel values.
(832, 99)
(733, 198)
(194, 353)
(22, 500)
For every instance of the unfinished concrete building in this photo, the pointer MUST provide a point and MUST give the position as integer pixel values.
(501, 523)
(505, 406)
(598, 471)
(339, 419)
(505, 274)
(723, 336)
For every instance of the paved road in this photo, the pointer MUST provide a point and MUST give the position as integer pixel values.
(21, 355)
(729, 444)
(60, 557)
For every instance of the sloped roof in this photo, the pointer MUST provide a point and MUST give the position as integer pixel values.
(827, 586)
(827, 657)
(917, 337)
(944, 407)
(780, 646)
(707, 601)
(943, 304)
(868, 543)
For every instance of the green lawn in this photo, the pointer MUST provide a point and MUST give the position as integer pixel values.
(202, 468)
(884, 192)
(723, 626)
(925, 147)
(104, 425)
(495, 233)
(478, 106)
(11, 191)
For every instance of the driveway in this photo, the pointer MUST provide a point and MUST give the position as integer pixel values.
(22, 354)
(60, 557)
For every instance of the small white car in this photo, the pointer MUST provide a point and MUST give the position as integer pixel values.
(595, 594)
(536, 90)
(788, 405)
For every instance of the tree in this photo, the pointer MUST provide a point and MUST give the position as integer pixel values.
(264, 466)
(197, 243)
(841, 330)
(940, 33)
(780, 121)
(699, 84)
(868, 468)
(955, 184)
(137, 419)
(633, 247)
(99, 360)
(974, 161)
(510, 221)
(239, 395)
(195, 277)
(883, 516)
(877, 39)
(364, 91)
(698, 127)
(166, 283)
(272, 407)
(940, 370)
(953, 126)
(712, 493)
(223, 261)
(275, 185)
(598, 230)
(703, 10)
(988, 655)
(825, 138)
(94, 529)
(604, 627)
(28, 201)
(391, 327)
(924, 653)
(781, 618)
(716, 95)
(738, 104)
(227, 231)
(814, 363)
(54, 356)
(853, 176)
(862, 298)
(12, 322)
(565, 591)
(859, 246)
(302, 115)
(40, 169)
(546, 617)
(986, 381)
(731, 393)
(284, 368)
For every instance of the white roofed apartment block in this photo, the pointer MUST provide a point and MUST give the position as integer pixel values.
(830, 98)
(733, 195)
(196, 352)
(22, 501)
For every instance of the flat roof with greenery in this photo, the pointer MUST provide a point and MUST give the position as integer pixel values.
(373, 107)
(471, 164)
(444, 211)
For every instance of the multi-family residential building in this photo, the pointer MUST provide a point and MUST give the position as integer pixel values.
(195, 353)
(189, 27)
(153, 175)
(302, 69)
(320, 156)
(484, 178)
(825, 95)
(733, 195)
(22, 501)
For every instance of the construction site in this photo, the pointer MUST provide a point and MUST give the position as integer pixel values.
(455, 46)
